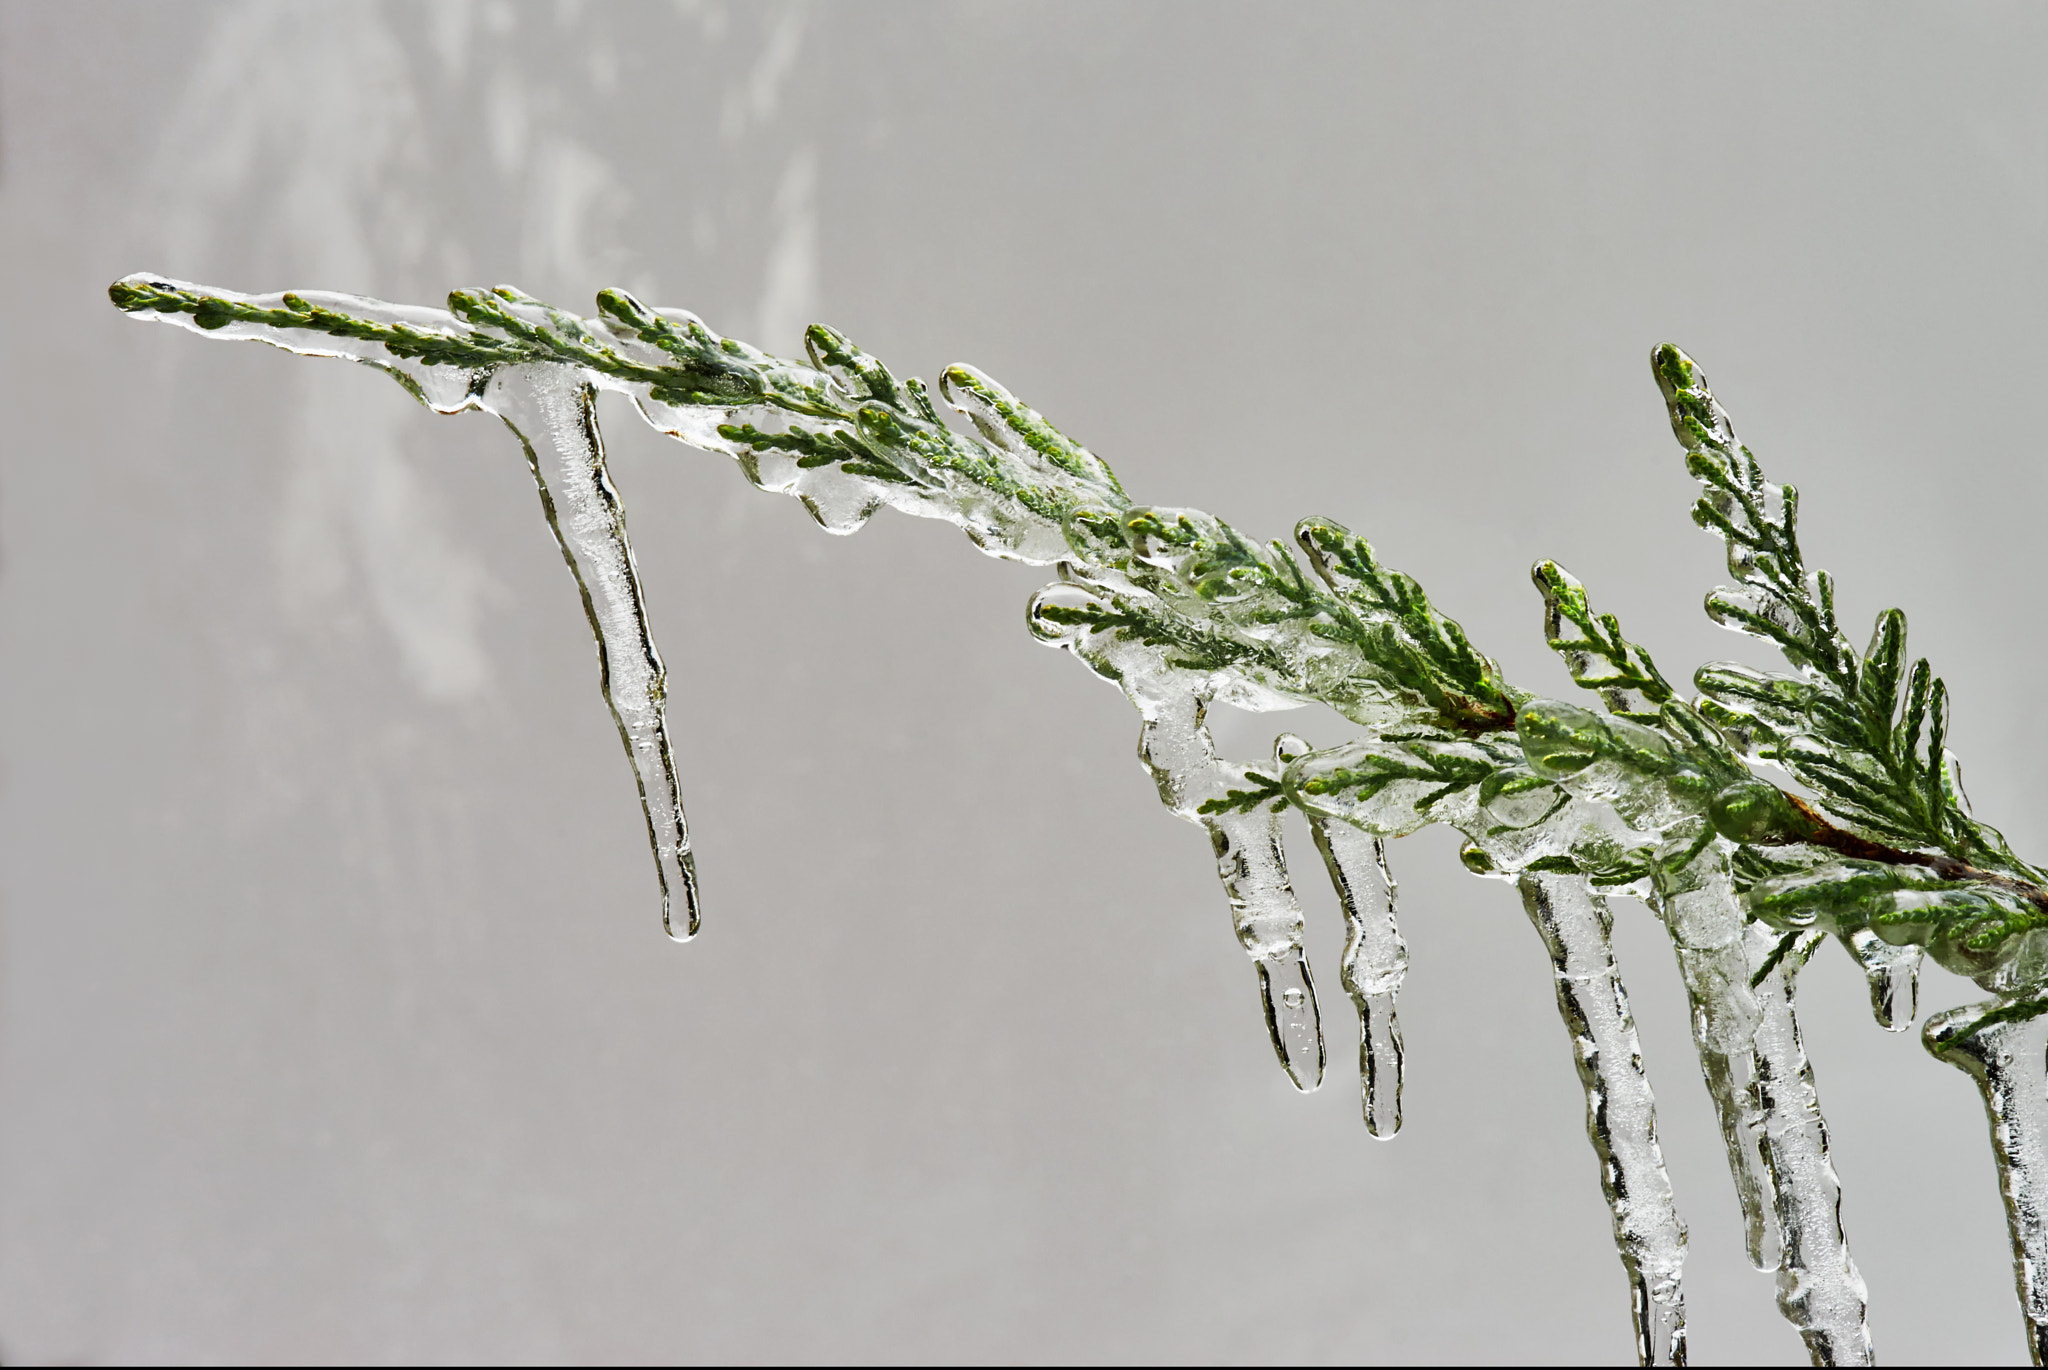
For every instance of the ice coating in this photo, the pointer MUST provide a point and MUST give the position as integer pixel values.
(1894, 976)
(1522, 827)
(2008, 1058)
(552, 412)
(1244, 832)
(1183, 612)
(1375, 956)
(1705, 921)
(479, 354)
(1175, 745)
(1769, 1109)
(1820, 1291)
(1621, 1117)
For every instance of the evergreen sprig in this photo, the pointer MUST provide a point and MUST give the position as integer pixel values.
(1389, 617)
(1443, 763)
(1868, 733)
(1759, 523)
(1329, 621)
(865, 421)
(1600, 659)
(1261, 790)
(213, 311)
(1189, 645)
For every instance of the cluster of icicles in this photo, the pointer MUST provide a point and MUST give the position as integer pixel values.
(1743, 1016)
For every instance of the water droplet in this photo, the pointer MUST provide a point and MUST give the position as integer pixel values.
(1291, 1018)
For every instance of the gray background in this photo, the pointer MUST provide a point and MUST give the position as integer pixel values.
(335, 1021)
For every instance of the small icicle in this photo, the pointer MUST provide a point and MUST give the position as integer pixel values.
(1174, 743)
(1375, 956)
(1175, 746)
(2009, 1062)
(1621, 1112)
(1894, 976)
(1820, 1291)
(1267, 917)
(552, 412)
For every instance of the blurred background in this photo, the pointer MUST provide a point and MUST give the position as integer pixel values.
(336, 1022)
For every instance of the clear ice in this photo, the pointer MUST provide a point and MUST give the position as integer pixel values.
(1375, 956)
(1183, 613)
(1175, 746)
(553, 412)
(1820, 1290)
(1621, 1114)
(2009, 1061)
(1705, 922)
(1893, 973)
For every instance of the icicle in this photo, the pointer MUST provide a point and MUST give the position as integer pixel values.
(1375, 957)
(1700, 911)
(2009, 1062)
(1894, 976)
(552, 411)
(1621, 1113)
(1175, 746)
(1820, 1290)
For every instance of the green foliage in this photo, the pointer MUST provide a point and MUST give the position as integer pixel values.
(1329, 621)
(1599, 658)
(863, 419)
(1444, 764)
(1866, 734)
(1649, 732)
(406, 341)
(1188, 645)
(1004, 420)
(1261, 791)
(1389, 618)
(2008, 1011)
(1393, 782)
(1966, 924)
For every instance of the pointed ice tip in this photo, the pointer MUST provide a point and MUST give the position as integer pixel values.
(692, 911)
(1291, 1017)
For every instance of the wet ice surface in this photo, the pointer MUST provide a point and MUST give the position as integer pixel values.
(1176, 748)
(2009, 1062)
(1621, 1113)
(1375, 961)
(1017, 495)
(1820, 1291)
(551, 410)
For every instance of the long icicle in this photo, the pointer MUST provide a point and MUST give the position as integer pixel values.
(1621, 1112)
(1820, 1291)
(1700, 912)
(1375, 956)
(2009, 1061)
(552, 411)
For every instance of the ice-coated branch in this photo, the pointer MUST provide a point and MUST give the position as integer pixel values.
(1621, 1114)
(1182, 611)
